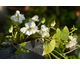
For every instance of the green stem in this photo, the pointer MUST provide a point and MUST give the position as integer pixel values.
(39, 23)
(55, 56)
(49, 56)
(70, 51)
(78, 46)
(48, 40)
(14, 46)
(72, 32)
(27, 37)
(60, 54)
(41, 41)
(12, 34)
(53, 28)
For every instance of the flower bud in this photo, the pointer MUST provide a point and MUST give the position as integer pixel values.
(53, 23)
(43, 20)
(11, 29)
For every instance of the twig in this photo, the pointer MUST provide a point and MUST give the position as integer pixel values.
(60, 54)
(49, 56)
(55, 56)
(70, 51)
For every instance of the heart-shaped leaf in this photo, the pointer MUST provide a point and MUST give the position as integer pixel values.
(65, 33)
(49, 47)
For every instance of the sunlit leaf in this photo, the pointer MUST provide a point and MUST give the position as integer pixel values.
(8, 36)
(18, 51)
(49, 47)
(65, 33)
(58, 35)
(23, 44)
(55, 36)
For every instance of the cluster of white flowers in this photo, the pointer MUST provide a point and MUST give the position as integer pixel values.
(18, 17)
(29, 29)
(72, 42)
(44, 31)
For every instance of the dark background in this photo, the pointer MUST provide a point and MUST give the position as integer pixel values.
(64, 15)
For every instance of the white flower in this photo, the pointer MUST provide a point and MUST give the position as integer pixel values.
(44, 31)
(23, 29)
(71, 43)
(35, 18)
(29, 29)
(18, 17)
(70, 37)
(44, 28)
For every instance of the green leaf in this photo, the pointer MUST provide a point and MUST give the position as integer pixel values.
(49, 47)
(58, 40)
(8, 36)
(23, 44)
(26, 51)
(58, 34)
(18, 51)
(61, 47)
(65, 33)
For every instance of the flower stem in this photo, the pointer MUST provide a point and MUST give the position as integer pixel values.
(14, 46)
(53, 28)
(60, 54)
(12, 34)
(49, 56)
(55, 56)
(70, 51)
(41, 41)
(48, 40)
(39, 23)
